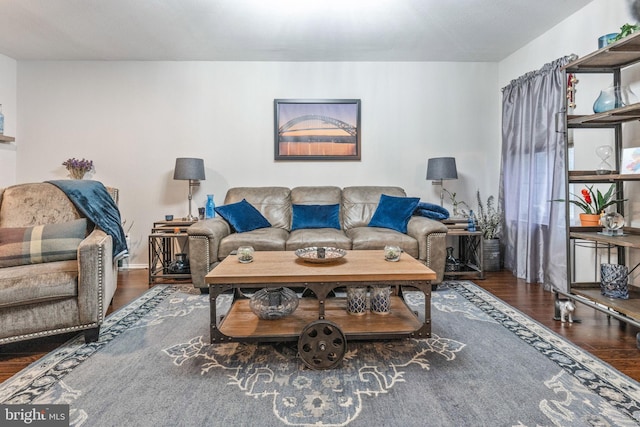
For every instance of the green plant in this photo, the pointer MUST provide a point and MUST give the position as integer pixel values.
(626, 30)
(489, 218)
(594, 203)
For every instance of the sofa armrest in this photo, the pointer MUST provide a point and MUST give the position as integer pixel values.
(431, 236)
(204, 242)
(95, 276)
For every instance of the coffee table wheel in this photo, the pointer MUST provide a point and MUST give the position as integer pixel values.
(322, 345)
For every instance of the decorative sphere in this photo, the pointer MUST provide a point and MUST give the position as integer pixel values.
(612, 221)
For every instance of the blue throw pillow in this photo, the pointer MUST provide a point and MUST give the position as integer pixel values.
(315, 216)
(394, 212)
(242, 216)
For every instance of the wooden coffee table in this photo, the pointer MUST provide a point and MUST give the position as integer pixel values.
(284, 268)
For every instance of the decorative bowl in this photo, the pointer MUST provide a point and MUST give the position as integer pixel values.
(320, 255)
(273, 303)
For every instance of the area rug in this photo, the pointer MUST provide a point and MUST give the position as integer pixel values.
(485, 364)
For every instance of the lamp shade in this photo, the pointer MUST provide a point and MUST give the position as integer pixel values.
(189, 168)
(439, 168)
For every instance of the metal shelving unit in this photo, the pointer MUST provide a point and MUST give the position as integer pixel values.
(610, 59)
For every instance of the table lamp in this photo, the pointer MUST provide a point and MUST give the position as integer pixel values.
(193, 170)
(439, 169)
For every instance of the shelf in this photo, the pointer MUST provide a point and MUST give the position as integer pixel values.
(630, 240)
(611, 117)
(593, 177)
(629, 307)
(6, 139)
(620, 54)
(610, 59)
(241, 323)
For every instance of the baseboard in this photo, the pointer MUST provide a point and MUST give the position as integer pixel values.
(134, 267)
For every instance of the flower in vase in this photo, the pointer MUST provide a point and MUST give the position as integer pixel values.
(78, 168)
(595, 202)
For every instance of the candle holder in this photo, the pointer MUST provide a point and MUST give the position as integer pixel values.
(357, 300)
(380, 301)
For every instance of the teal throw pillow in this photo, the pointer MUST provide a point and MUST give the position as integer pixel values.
(315, 216)
(394, 212)
(242, 216)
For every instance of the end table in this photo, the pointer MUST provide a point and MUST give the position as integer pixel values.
(166, 241)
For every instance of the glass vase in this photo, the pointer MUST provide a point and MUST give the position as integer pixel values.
(614, 97)
(273, 303)
(210, 207)
(451, 264)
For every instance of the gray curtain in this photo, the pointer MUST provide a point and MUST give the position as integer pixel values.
(532, 174)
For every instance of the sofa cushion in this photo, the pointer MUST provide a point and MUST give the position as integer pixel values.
(394, 212)
(26, 205)
(29, 284)
(364, 238)
(360, 203)
(329, 237)
(315, 216)
(242, 216)
(41, 243)
(262, 239)
(274, 203)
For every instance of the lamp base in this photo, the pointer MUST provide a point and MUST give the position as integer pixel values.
(190, 218)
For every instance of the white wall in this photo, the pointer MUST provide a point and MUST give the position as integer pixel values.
(134, 118)
(8, 82)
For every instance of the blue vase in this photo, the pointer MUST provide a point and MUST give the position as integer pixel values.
(209, 210)
(607, 100)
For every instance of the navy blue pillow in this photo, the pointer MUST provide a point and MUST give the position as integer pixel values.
(242, 216)
(394, 212)
(315, 216)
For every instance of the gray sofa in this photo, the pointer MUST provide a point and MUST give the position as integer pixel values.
(46, 298)
(212, 240)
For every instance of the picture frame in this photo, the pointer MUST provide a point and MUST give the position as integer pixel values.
(630, 161)
(317, 129)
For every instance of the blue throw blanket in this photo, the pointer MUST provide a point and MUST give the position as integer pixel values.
(432, 211)
(93, 200)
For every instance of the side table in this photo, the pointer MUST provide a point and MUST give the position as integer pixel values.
(470, 251)
(166, 241)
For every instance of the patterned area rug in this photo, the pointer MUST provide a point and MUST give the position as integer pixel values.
(485, 364)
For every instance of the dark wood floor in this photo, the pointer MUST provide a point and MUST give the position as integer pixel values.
(610, 340)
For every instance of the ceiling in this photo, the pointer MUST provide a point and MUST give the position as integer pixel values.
(275, 30)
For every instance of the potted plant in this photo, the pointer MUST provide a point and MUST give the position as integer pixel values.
(458, 212)
(78, 168)
(593, 204)
(489, 222)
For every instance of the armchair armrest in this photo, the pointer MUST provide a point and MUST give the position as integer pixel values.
(95, 276)
(204, 242)
(431, 236)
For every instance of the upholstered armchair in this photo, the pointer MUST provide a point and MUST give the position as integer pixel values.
(57, 272)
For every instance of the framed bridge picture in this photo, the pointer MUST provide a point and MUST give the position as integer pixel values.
(312, 129)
